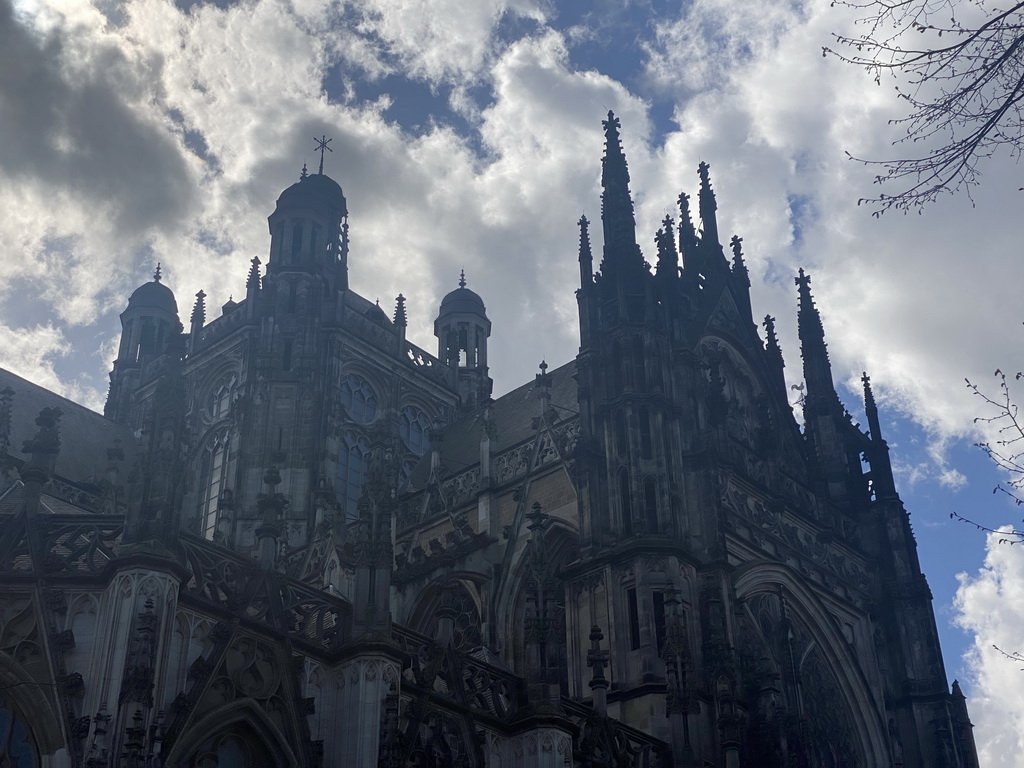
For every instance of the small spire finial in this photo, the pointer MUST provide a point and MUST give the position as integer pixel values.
(199, 310)
(304, 173)
(156, 273)
(462, 279)
(253, 281)
(400, 316)
(803, 281)
(321, 145)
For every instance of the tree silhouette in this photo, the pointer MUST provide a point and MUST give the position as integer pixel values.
(959, 65)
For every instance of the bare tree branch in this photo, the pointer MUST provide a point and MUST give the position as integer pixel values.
(965, 97)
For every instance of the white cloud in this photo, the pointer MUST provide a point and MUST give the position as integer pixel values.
(31, 354)
(989, 605)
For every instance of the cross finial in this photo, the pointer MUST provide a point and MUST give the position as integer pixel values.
(321, 145)
(156, 273)
(462, 279)
(803, 280)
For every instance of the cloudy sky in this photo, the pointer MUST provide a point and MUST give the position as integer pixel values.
(467, 134)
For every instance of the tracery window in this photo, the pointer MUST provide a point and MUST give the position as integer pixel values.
(353, 460)
(214, 474)
(359, 400)
(219, 402)
(414, 428)
(17, 748)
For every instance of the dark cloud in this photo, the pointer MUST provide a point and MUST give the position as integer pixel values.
(70, 127)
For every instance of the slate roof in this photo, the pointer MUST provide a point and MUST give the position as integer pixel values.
(513, 416)
(84, 434)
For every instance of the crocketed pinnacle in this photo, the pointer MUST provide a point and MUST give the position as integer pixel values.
(773, 339)
(199, 310)
(739, 267)
(253, 281)
(586, 256)
(871, 408)
(687, 234)
(668, 256)
(708, 204)
(620, 246)
(817, 369)
(400, 317)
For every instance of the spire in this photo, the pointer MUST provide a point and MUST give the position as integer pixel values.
(199, 310)
(156, 272)
(401, 320)
(817, 369)
(772, 345)
(870, 408)
(739, 268)
(321, 145)
(882, 481)
(668, 256)
(708, 206)
(586, 257)
(252, 283)
(620, 246)
(687, 234)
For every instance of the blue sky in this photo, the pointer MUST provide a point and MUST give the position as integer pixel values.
(466, 134)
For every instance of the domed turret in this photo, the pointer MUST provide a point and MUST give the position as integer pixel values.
(154, 295)
(462, 329)
(309, 230)
(148, 322)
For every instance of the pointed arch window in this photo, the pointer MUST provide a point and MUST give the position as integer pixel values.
(353, 460)
(214, 482)
(359, 400)
(219, 402)
(414, 429)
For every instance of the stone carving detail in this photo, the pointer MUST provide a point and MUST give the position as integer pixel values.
(816, 546)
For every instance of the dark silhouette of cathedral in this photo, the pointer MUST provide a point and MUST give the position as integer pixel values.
(297, 539)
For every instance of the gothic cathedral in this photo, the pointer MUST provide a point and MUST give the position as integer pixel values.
(297, 539)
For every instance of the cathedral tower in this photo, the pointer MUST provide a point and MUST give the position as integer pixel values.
(462, 329)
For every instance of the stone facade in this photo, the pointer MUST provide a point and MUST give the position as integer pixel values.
(297, 539)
